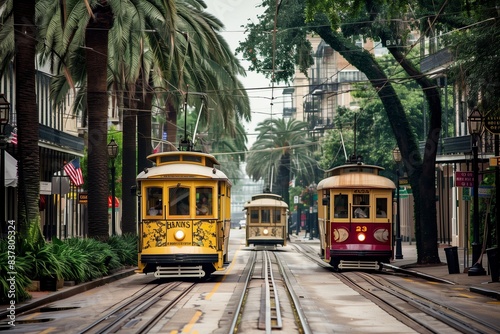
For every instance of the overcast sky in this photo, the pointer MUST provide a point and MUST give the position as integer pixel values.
(234, 14)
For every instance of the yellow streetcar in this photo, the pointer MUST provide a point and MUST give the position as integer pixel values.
(185, 215)
(267, 216)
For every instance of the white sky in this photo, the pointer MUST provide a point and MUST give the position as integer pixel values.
(234, 14)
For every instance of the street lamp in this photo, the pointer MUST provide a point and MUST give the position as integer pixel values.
(475, 123)
(112, 154)
(4, 119)
(396, 155)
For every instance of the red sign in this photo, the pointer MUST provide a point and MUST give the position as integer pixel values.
(464, 179)
(110, 202)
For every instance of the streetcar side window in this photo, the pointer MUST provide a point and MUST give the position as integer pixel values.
(361, 206)
(155, 201)
(178, 201)
(265, 216)
(340, 204)
(381, 207)
(204, 201)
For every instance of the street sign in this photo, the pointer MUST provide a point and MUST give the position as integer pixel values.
(492, 124)
(466, 195)
(404, 181)
(485, 191)
(464, 179)
(45, 188)
(494, 161)
(83, 198)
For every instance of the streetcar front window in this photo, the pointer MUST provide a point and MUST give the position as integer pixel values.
(204, 201)
(178, 201)
(155, 201)
(340, 205)
(361, 206)
(254, 216)
(265, 216)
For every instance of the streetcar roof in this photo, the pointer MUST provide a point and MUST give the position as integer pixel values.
(266, 200)
(188, 156)
(356, 176)
(182, 165)
(350, 168)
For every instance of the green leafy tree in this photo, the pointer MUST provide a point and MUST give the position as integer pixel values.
(325, 18)
(169, 60)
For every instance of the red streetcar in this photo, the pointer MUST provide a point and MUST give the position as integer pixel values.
(355, 217)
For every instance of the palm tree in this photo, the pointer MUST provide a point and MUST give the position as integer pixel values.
(214, 66)
(21, 14)
(281, 149)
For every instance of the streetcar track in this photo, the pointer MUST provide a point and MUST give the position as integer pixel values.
(380, 292)
(449, 315)
(127, 311)
(270, 312)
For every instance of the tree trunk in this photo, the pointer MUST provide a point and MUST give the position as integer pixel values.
(27, 126)
(419, 173)
(129, 171)
(144, 131)
(171, 122)
(425, 208)
(96, 53)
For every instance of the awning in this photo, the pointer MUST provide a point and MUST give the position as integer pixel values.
(10, 170)
(110, 202)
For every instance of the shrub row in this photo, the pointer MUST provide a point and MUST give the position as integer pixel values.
(74, 259)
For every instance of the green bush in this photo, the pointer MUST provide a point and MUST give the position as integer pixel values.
(74, 259)
(44, 262)
(13, 268)
(125, 247)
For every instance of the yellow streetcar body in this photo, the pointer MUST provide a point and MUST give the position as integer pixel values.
(185, 215)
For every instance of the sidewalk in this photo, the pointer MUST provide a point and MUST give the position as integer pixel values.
(40, 298)
(480, 284)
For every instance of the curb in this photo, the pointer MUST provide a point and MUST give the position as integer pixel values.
(30, 305)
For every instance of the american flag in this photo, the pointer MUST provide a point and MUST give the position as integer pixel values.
(13, 137)
(157, 148)
(74, 172)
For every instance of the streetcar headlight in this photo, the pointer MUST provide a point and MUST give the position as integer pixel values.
(361, 237)
(266, 231)
(179, 235)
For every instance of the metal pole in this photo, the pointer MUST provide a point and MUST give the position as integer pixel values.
(311, 217)
(113, 232)
(497, 189)
(477, 268)
(399, 250)
(2, 181)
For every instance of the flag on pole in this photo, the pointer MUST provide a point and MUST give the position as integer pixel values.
(157, 148)
(13, 137)
(74, 172)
